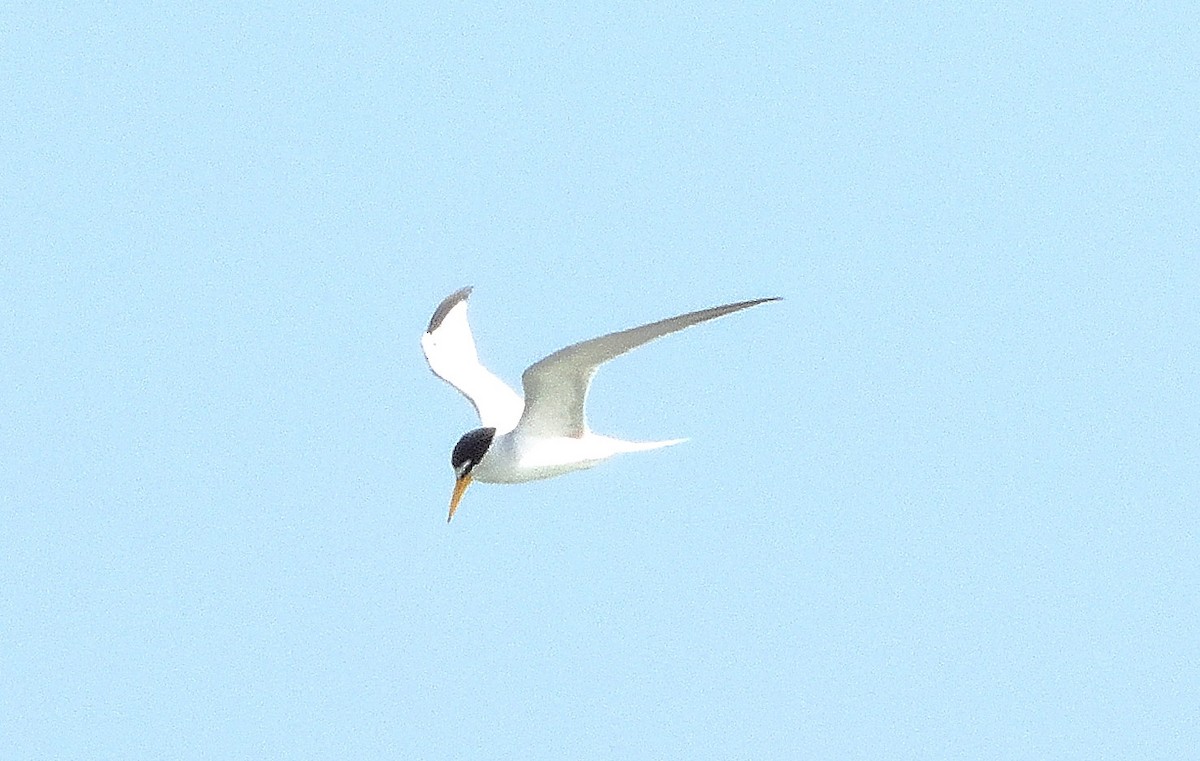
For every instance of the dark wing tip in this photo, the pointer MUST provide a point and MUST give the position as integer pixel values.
(444, 308)
(756, 302)
(740, 305)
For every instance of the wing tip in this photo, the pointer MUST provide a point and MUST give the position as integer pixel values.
(447, 304)
(738, 306)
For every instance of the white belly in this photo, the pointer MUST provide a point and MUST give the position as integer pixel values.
(513, 459)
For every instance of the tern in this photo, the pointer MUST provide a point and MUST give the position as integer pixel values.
(546, 434)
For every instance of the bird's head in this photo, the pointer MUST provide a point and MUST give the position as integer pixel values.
(469, 450)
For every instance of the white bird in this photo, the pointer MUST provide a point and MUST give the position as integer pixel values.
(546, 434)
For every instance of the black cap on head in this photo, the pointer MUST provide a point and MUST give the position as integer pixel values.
(470, 449)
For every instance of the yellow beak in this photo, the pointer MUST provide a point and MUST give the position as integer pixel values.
(460, 488)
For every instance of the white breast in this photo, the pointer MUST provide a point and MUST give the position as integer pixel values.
(513, 458)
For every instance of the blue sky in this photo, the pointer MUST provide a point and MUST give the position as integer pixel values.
(940, 502)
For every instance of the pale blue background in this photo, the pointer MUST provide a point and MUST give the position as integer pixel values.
(941, 502)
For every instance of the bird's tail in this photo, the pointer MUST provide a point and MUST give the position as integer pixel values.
(641, 446)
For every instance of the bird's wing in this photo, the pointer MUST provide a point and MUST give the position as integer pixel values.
(556, 387)
(450, 350)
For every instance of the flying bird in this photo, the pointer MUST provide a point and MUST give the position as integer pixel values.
(545, 434)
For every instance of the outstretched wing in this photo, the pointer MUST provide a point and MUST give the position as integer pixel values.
(556, 387)
(450, 350)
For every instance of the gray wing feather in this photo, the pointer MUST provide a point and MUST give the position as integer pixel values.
(556, 387)
(447, 304)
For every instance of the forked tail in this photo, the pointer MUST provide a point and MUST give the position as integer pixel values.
(641, 446)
